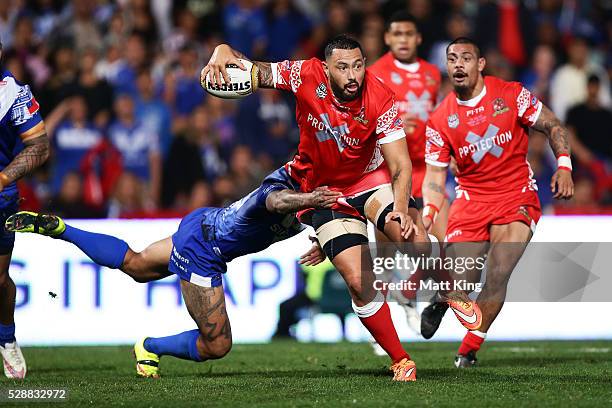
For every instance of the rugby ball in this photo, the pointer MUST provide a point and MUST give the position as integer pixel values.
(242, 82)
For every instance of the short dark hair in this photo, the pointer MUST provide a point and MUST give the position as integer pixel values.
(402, 16)
(465, 40)
(341, 42)
(593, 79)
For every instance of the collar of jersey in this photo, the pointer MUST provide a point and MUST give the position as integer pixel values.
(475, 100)
(412, 68)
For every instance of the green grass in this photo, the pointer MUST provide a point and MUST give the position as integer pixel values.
(293, 374)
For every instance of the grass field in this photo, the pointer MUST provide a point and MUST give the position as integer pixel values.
(292, 374)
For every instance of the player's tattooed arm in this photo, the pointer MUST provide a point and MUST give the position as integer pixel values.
(561, 183)
(557, 134)
(33, 155)
(400, 169)
(264, 74)
(433, 193)
(288, 201)
(224, 55)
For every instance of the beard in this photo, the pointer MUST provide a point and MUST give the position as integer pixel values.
(342, 94)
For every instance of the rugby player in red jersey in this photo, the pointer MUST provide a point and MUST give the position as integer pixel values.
(415, 83)
(351, 140)
(484, 124)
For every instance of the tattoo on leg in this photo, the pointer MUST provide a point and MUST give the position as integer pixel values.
(207, 307)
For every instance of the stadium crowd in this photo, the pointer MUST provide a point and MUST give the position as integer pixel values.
(134, 135)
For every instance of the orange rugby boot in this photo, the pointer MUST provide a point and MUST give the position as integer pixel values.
(467, 311)
(404, 370)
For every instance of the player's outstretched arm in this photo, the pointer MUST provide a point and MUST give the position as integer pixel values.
(433, 193)
(561, 184)
(400, 168)
(288, 201)
(225, 55)
(34, 154)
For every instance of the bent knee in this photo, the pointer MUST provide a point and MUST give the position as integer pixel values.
(216, 349)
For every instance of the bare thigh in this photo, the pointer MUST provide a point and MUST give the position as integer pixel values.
(151, 263)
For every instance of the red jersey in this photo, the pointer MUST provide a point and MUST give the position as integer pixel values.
(416, 89)
(339, 141)
(488, 136)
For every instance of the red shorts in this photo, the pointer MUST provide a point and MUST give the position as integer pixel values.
(469, 221)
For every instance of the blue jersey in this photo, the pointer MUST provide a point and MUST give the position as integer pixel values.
(246, 226)
(18, 114)
(208, 238)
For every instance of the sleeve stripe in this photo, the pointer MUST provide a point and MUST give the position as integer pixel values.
(436, 163)
(273, 67)
(392, 136)
(537, 114)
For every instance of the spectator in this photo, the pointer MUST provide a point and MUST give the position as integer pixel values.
(537, 77)
(589, 122)
(287, 26)
(68, 203)
(81, 27)
(9, 11)
(72, 136)
(135, 60)
(97, 92)
(245, 27)
(46, 18)
(243, 171)
(265, 123)
(184, 168)
(569, 82)
(128, 198)
(138, 145)
(456, 26)
(182, 88)
(152, 111)
(57, 88)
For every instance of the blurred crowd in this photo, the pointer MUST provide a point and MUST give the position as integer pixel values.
(134, 135)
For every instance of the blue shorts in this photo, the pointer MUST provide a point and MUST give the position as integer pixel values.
(194, 259)
(9, 205)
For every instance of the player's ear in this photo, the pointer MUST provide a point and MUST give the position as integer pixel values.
(326, 69)
(481, 64)
(387, 38)
(419, 39)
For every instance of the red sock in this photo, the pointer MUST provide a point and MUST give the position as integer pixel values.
(382, 329)
(471, 342)
(416, 279)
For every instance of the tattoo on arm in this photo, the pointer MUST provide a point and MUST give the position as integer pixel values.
(265, 74)
(557, 134)
(435, 187)
(34, 154)
(287, 201)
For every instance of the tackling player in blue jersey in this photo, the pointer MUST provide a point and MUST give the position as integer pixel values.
(198, 253)
(24, 146)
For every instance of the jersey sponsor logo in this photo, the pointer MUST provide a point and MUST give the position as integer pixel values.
(321, 91)
(474, 111)
(490, 142)
(396, 78)
(499, 107)
(453, 234)
(453, 121)
(325, 131)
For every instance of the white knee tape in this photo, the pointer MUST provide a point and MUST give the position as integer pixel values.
(371, 308)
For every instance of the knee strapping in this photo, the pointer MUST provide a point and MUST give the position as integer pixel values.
(371, 308)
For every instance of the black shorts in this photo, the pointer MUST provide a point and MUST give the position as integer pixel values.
(359, 204)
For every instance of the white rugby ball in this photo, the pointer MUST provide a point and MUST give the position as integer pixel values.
(242, 82)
